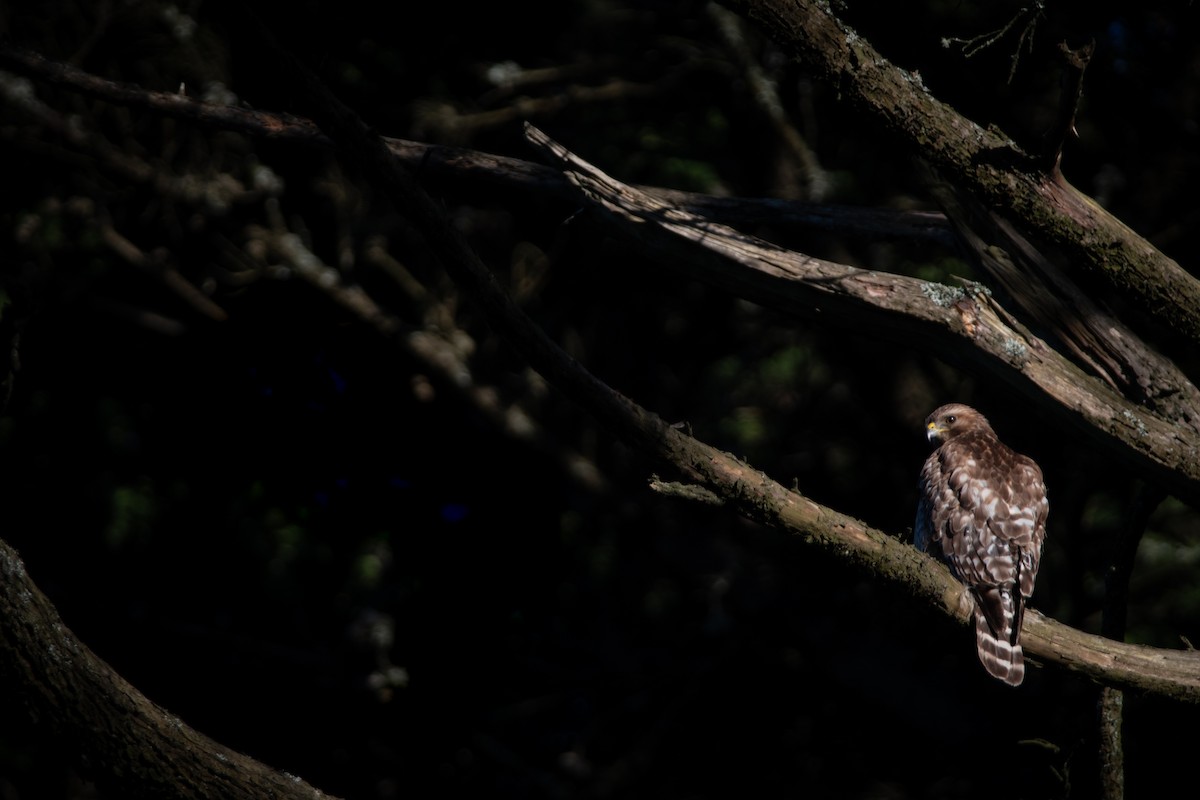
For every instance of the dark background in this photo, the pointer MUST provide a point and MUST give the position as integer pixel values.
(257, 521)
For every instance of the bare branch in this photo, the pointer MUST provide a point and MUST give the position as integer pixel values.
(1058, 306)
(135, 748)
(982, 162)
(18, 94)
(1133, 370)
(958, 323)
(1029, 15)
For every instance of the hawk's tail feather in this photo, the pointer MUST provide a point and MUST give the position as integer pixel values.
(1002, 659)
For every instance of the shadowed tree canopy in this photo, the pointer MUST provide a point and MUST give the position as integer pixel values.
(528, 402)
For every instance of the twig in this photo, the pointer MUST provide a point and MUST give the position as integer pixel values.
(158, 268)
(1029, 15)
(19, 94)
(444, 121)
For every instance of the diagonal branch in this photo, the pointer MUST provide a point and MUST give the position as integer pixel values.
(982, 162)
(135, 748)
(1085, 327)
(959, 324)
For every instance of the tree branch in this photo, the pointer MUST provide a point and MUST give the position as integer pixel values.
(456, 166)
(134, 748)
(959, 324)
(982, 162)
(1056, 305)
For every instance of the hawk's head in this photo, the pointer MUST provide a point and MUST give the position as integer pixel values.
(953, 420)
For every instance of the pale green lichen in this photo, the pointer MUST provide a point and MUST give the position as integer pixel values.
(1132, 419)
(976, 289)
(941, 294)
(1015, 348)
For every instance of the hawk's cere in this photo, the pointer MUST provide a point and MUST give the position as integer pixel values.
(983, 511)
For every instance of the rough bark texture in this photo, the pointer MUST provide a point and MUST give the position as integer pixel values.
(1094, 337)
(127, 744)
(983, 162)
(963, 324)
(1110, 714)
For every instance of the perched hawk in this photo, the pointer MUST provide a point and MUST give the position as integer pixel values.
(983, 511)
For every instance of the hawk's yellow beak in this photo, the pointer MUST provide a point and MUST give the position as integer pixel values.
(933, 431)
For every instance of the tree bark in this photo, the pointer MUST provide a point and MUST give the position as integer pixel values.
(961, 324)
(982, 162)
(128, 745)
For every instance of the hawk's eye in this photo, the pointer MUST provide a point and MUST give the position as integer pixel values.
(950, 419)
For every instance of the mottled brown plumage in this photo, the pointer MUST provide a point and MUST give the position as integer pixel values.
(982, 510)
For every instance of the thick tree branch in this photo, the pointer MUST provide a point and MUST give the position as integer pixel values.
(132, 747)
(984, 163)
(958, 324)
(1059, 307)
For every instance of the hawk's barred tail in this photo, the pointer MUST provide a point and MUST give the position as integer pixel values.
(1003, 660)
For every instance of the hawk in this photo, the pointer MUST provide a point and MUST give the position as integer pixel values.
(982, 510)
